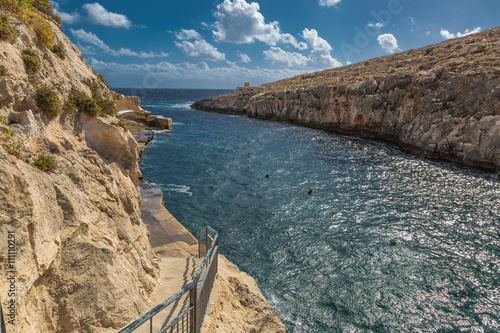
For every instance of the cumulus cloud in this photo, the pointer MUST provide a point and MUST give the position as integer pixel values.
(69, 18)
(92, 42)
(279, 57)
(200, 50)
(388, 42)
(186, 34)
(319, 58)
(163, 73)
(97, 14)
(241, 22)
(317, 43)
(329, 3)
(244, 57)
(448, 35)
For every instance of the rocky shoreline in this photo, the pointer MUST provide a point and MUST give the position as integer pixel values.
(441, 101)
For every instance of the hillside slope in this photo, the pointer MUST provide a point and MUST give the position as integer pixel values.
(441, 101)
(75, 253)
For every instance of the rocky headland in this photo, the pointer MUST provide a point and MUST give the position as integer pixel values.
(75, 253)
(441, 101)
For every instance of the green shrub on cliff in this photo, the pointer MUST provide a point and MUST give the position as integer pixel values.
(45, 163)
(42, 28)
(21, 7)
(107, 106)
(103, 80)
(31, 60)
(59, 50)
(89, 106)
(45, 7)
(3, 71)
(48, 102)
(6, 30)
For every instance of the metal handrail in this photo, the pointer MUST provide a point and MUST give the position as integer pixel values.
(210, 259)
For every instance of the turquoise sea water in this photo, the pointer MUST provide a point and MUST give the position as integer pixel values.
(325, 272)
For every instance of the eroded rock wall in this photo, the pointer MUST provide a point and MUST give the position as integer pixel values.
(80, 258)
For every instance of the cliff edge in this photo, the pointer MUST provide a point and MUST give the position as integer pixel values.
(75, 254)
(441, 101)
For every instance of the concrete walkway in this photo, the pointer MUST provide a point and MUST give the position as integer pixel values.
(163, 227)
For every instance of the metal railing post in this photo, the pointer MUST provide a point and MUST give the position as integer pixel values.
(193, 300)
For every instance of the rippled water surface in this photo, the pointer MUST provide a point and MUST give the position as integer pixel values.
(325, 272)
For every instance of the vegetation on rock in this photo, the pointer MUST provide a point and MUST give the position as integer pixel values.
(59, 50)
(6, 30)
(48, 102)
(12, 142)
(42, 28)
(31, 60)
(108, 107)
(30, 12)
(3, 71)
(45, 163)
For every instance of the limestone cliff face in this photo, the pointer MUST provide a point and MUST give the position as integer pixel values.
(441, 101)
(82, 261)
(238, 304)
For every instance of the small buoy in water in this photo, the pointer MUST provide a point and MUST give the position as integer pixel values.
(267, 176)
(310, 192)
(235, 147)
(248, 154)
(463, 291)
(333, 212)
(392, 242)
(392, 188)
(435, 207)
(249, 166)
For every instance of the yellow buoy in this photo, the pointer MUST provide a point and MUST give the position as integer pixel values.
(333, 212)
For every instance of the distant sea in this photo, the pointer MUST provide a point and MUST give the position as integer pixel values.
(385, 242)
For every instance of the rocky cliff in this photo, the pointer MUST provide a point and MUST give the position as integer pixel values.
(75, 254)
(441, 101)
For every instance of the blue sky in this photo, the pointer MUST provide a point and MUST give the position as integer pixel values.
(223, 43)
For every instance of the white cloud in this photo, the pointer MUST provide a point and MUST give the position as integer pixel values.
(163, 73)
(186, 34)
(427, 33)
(448, 35)
(283, 58)
(241, 22)
(244, 57)
(90, 38)
(377, 25)
(316, 42)
(388, 42)
(317, 59)
(329, 3)
(69, 18)
(97, 14)
(201, 50)
(322, 59)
